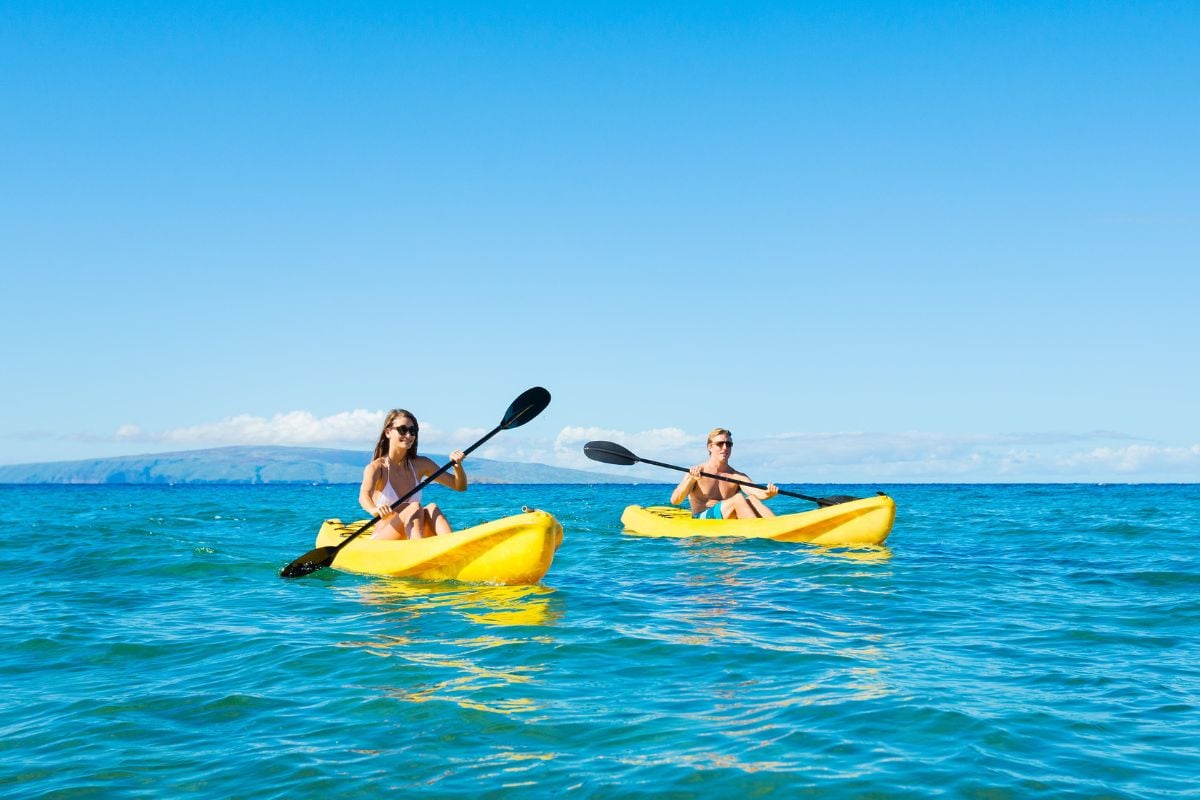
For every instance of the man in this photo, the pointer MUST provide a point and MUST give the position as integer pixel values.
(714, 499)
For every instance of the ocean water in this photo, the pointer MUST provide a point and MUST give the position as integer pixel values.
(1010, 642)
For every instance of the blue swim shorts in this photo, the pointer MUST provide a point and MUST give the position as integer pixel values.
(712, 512)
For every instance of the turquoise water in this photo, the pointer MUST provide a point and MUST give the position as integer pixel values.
(1012, 641)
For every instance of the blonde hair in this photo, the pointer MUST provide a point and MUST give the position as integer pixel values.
(383, 445)
(717, 432)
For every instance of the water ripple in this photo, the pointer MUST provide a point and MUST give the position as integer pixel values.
(1010, 641)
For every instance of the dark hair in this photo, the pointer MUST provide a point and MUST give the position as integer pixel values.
(383, 445)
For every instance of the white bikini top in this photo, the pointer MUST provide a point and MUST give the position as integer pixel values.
(388, 495)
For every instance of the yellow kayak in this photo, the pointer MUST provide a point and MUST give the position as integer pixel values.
(859, 522)
(512, 550)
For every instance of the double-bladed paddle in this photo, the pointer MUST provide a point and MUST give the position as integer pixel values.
(613, 453)
(531, 403)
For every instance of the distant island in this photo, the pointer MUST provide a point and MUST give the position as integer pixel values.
(269, 464)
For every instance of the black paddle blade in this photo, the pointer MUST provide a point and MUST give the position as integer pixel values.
(531, 403)
(825, 502)
(609, 453)
(310, 562)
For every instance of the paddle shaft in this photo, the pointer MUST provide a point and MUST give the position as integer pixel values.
(818, 500)
(440, 471)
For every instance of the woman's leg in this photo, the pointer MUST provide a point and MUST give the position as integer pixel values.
(436, 521)
(414, 521)
(407, 523)
(390, 527)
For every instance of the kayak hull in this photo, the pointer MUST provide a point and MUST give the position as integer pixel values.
(859, 522)
(509, 551)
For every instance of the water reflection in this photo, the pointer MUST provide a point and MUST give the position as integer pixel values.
(734, 552)
(481, 664)
(758, 601)
(864, 552)
(488, 605)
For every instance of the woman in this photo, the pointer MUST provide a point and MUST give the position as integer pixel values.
(395, 470)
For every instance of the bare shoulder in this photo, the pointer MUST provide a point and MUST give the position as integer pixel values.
(424, 465)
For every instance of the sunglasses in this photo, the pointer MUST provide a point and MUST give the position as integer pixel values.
(723, 444)
(410, 430)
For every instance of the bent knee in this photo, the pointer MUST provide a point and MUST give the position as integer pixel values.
(737, 507)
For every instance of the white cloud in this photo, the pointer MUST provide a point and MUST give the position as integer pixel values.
(290, 428)
(918, 456)
(840, 457)
(863, 457)
(349, 428)
(458, 440)
(1136, 458)
(128, 432)
(354, 429)
(573, 437)
(656, 443)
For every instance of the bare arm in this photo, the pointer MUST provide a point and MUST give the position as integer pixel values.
(366, 491)
(685, 487)
(760, 494)
(457, 482)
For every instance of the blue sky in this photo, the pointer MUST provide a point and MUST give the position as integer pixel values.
(880, 242)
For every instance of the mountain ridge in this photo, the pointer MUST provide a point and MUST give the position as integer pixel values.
(259, 464)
